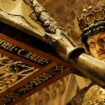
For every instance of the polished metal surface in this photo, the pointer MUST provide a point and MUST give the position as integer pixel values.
(32, 18)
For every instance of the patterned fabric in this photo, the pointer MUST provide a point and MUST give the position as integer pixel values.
(94, 96)
(91, 95)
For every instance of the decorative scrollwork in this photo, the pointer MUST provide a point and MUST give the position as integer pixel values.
(11, 71)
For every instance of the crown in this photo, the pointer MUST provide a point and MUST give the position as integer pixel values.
(92, 21)
(91, 16)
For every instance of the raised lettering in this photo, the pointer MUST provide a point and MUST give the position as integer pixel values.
(23, 53)
(20, 52)
(12, 48)
(1, 41)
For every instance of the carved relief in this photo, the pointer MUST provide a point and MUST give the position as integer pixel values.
(12, 71)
